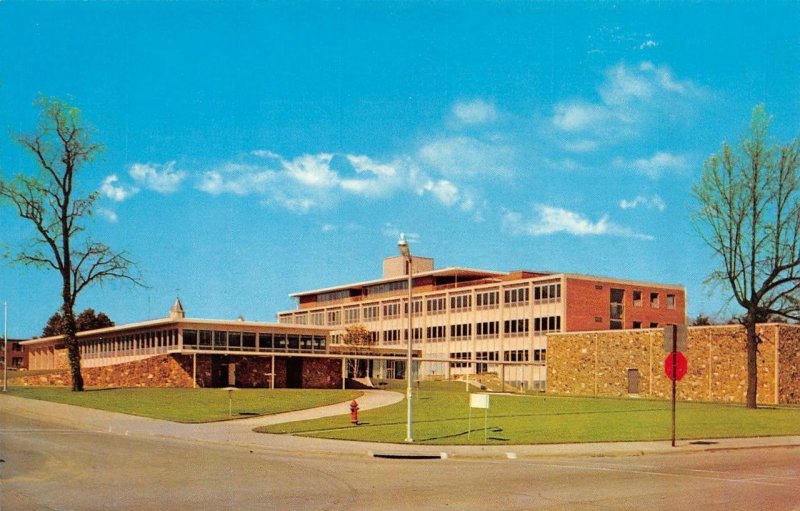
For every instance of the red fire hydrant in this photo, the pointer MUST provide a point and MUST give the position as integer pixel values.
(354, 412)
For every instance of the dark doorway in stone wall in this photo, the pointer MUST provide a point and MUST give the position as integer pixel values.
(219, 373)
(294, 373)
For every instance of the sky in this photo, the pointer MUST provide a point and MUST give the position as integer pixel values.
(253, 150)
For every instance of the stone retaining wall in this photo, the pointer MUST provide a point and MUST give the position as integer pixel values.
(599, 363)
(176, 371)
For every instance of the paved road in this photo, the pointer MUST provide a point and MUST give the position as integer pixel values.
(48, 465)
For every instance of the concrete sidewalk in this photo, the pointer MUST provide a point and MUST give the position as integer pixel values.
(239, 433)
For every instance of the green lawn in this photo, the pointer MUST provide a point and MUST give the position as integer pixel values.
(189, 405)
(441, 416)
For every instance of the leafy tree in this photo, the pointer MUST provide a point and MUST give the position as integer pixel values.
(50, 199)
(86, 320)
(749, 214)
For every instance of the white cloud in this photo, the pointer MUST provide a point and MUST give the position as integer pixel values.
(116, 192)
(156, 177)
(630, 99)
(466, 157)
(237, 179)
(312, 170)
(328, 228)
(474, 112)
(660, 163)
(108, 214)
(552, 220)
(444, 191)
(648, 44)
(654, 202)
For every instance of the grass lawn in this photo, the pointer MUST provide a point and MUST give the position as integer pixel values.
(441, 416)
(189, 405)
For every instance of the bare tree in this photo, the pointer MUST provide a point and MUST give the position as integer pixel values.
(749, 214)
(360, 340)
(50, 200)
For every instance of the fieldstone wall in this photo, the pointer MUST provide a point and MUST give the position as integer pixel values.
(598, 363)
(176, 371)
(789, 367)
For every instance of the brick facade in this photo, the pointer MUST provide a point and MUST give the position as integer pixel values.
(600, 363)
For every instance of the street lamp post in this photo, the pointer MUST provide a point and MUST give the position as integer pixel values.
(402, 244)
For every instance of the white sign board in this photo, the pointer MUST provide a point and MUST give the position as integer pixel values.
(479, 401)
(681, 338)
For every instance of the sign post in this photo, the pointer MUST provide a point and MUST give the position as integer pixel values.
(675, 364)
(478, 401)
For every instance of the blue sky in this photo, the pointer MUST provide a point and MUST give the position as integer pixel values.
(253, 150)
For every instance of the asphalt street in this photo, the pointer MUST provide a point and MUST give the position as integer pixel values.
(48, 465)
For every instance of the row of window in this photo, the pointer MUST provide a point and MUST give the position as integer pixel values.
(654, 300)
(511, 328)
(484, 300)
(250, 341)
(129, 344)
(539, 355)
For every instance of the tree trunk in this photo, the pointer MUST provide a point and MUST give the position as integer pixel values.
(752, 360)
(71, 341)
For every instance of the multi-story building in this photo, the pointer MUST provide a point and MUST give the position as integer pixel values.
(467, 321)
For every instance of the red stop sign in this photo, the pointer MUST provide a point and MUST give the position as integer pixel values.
(680, 366)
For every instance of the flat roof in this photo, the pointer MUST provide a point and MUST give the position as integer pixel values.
(453, 271)
(162, 322)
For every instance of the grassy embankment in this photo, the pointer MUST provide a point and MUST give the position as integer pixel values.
(189, 405)
(441, 416)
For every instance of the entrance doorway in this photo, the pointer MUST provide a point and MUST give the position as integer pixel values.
(294, 373)
(633, 381)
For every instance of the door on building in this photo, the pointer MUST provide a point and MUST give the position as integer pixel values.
(231, 375)
(633, 381)
(294, 373)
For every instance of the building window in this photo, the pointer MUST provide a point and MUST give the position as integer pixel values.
(548, 324)
(515, 356)
(654, 300)
(351, 315)
(464, 355)
(487, 300)
(461, 302)
(540, 355)
(637, 298)
(387, 288)
(436, 333)
(617, 299)
(517, 296)
(371, 313)
(461, 332)
(436, 305)
(637, 324)
(416, 307)
(653, 325)
(487, 329)
(547, 294)
(516, 327)
(334, 295)
(317, 318)
(334, 317)
(670, 301)
(391, 310)
(301, 319)
(391, 336)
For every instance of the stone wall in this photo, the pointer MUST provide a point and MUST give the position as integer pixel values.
(598, 363)
(789, 367)
(176, 371)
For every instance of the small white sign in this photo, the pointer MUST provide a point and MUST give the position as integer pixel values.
(479, 401)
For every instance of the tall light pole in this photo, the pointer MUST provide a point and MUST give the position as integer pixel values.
(402, 244)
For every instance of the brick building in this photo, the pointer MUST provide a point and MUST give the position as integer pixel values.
(467, 321)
